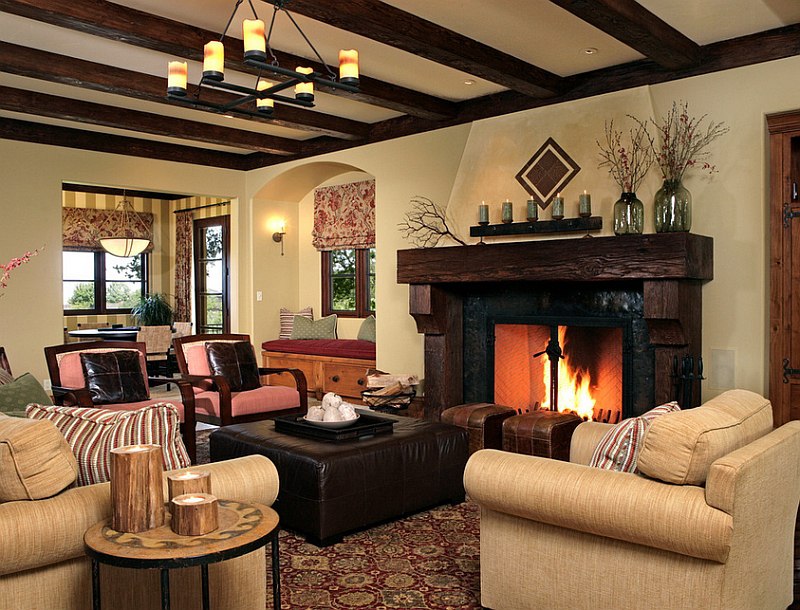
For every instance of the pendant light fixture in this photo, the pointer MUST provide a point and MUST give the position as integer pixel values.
(123, 233)
(258, 54)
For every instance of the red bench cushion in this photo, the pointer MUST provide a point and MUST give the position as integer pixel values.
(337, 348)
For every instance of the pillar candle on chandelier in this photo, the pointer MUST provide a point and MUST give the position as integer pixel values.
(177, 77)
(348, 66)
(264, 105)
(304, 91)
(255, 45)
(214, 60)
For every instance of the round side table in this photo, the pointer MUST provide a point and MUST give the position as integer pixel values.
(243, 528)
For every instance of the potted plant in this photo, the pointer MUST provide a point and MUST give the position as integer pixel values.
(153, 310)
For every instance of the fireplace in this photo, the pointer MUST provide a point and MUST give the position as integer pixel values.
(581, 365)
(638, 297)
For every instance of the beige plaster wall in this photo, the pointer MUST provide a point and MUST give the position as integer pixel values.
(30, 308)
(418, 165)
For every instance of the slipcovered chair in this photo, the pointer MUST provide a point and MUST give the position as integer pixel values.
(709, 523)
(69, 371)
(226, 381)
(158, 340)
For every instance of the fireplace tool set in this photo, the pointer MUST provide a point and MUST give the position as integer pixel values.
(685, 375)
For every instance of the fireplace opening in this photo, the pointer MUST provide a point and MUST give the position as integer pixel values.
(573, 365)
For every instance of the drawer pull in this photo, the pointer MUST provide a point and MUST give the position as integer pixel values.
(335, 378)
(360, 381)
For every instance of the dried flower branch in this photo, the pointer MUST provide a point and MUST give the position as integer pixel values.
(682, 141)
(426, 224)
(13, 264)
(628, 165)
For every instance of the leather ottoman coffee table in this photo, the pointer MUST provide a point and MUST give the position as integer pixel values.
(328, 488)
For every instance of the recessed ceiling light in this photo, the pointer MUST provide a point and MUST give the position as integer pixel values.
(590, 50)
(469, 81)
(228, 116)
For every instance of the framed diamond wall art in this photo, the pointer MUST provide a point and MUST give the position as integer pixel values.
(547, 172)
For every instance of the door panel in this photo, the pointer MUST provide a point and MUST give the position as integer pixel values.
(211, 270)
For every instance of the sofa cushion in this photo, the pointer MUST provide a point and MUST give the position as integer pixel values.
(93, 433)
(236, 362)
(619, 448)
(261, 400)
(324, 328)
(287, 320)
(114, 376)
(35, 460)
(19, 393)
(680, 447)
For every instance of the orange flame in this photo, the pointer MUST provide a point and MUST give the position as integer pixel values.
(574, 392)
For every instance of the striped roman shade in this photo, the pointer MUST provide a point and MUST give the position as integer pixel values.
(93, 433)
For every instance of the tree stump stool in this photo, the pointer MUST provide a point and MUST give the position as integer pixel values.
(542, 433)
(483, 422)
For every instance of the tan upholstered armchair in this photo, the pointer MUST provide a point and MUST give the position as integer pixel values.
(708, 524)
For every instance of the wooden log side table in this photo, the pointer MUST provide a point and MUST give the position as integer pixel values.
(243, 528)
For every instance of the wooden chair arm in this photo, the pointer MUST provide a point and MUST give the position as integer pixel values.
(72, 397)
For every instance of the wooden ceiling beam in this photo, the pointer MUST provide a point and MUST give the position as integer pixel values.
(53, 106)
(394, 27)
(25, 131)
(631, 23)
(122, 24)
(34, 63)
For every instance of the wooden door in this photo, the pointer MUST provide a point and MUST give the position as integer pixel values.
(784, 214)
(212, 274)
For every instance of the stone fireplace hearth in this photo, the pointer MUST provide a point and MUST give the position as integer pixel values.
(649, 286)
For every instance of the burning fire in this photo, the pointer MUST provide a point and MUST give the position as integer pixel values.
(573, 386)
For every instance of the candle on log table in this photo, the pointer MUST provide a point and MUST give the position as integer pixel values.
(188, 482)
(137, 493)
(194, 514)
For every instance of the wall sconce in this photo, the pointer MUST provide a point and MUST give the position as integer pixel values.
(277, 236)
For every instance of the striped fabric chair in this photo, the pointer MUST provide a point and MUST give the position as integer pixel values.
(70, 385)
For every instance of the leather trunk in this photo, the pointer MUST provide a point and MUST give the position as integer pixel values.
(483, 422)
(542, 433)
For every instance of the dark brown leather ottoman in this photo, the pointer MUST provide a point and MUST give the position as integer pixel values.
(543, 433)
(329, 488)
(483, 421)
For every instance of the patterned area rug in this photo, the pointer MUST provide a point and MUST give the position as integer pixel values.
(426, 561)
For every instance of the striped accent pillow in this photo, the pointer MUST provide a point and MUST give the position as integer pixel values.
(93, 433)
(619, 448)
(287, 320)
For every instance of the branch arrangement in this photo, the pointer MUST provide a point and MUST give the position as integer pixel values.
(426, 224)
(13, 264)
(626, 162)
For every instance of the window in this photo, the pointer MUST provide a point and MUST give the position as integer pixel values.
(348, 282)
(99, 283)
(211, 255)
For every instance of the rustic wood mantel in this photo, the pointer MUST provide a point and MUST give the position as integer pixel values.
(671, 268)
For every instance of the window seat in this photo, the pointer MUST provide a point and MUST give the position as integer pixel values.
(330, 365)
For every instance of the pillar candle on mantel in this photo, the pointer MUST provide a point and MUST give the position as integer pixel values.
(584, 205)
(508, 211)
(532, 210)
(558, 207)
(483, 213)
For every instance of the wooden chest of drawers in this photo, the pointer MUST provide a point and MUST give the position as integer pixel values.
(347, 377)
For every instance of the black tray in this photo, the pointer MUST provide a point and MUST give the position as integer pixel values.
(367, 425)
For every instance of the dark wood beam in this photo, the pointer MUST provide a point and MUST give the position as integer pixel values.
(52, 67)
(394, 27)
(737, 52)
(40, 104)
(631, 23)
(110, 190)
(25, 131)
(122, 24)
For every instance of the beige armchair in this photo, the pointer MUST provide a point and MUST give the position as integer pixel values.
(44, 565)
(708, 524)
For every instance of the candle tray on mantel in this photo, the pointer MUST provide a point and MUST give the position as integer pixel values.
(565, 225)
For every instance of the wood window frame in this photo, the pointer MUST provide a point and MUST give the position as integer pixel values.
(362, 285)
(99, 281)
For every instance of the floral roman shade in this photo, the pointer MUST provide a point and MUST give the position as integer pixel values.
(344, 216)
(80, 225)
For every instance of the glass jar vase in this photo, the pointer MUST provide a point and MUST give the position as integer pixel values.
(628, 215)
(673, 207)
